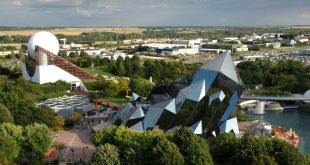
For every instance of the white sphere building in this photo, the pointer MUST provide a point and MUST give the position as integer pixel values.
(45, 40)
(43, 65)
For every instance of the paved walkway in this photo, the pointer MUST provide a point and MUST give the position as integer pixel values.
(75, 140)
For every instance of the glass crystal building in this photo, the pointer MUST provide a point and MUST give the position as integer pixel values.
(206, 103)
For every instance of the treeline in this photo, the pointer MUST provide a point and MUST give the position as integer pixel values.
(14, 39)
(121, 145)
(18, 98)
(285, 75)
(160, 71)
(7, 48)
(173, 33)
(120, 87)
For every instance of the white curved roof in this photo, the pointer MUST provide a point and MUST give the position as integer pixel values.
(307, 93)
(45, 40)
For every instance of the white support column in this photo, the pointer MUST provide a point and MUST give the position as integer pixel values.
(260, 108)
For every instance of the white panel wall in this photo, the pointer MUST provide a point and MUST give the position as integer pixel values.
(49, 74)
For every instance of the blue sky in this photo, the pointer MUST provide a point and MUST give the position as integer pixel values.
(44, 13)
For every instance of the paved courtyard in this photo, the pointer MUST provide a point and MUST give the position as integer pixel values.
(75, 140)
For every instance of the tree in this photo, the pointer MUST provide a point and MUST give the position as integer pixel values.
(72, 54)
(136, 65)
(121, 69)
(59, 122)
(22, 113)
(76, 116)
(112, 67)
(194, 149)
(5, 115)
(43, 115)
(37, 141)
(128, 66)
(83, 54)
(106, 154)
(140, 86)
(224, 148)
(105, 135)
(164, 152)
(14, 133)
(8, 150)
(123, 86)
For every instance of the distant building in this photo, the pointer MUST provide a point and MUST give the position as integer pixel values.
(228, 39)
(92, 52)
(115, 55)
(302, 39)
(235, 47)
(288, 42)
(242, 48)
(188, 43)
(251, 38)
(271, 35)
(180, 51)
(162, 45)
(5, 53)
(274, 45)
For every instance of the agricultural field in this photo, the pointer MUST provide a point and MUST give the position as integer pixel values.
(68, 31)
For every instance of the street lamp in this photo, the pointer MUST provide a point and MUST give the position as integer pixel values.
(72, 155)
(84, 153)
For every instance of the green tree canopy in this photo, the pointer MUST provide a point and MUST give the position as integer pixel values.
(8, 150)
(5, 115)
(106, 154)
(37, 141)
(194, 149)
(164, 151)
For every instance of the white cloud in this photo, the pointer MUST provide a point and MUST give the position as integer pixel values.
(84, 12)
(17, 3)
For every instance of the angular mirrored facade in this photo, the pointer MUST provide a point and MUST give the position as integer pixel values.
(205, 103)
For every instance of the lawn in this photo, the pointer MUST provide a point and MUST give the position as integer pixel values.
(116, 100)
(99, 70)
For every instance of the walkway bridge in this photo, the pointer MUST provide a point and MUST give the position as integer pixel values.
(260, 100)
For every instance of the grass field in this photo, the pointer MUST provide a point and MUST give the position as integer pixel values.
(116, 100)
(18, 45)
(69, 31)
(101, 70)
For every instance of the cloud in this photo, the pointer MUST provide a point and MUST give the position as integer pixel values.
(84, 12)
(17, 3)
(152, 12)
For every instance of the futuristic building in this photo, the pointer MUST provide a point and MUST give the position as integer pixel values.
(206, 103)
(43, 65)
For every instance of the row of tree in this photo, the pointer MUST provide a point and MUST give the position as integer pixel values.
(287, 75)
(120, 87)
(160, 71)
(226, 149)
(120, 145)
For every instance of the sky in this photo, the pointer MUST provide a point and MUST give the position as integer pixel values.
(127, 13)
